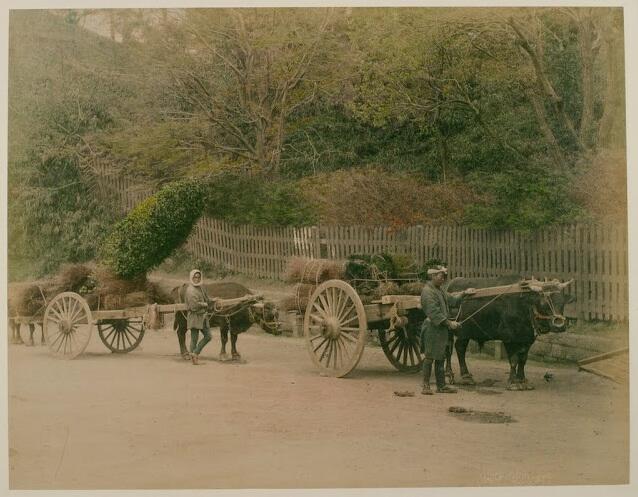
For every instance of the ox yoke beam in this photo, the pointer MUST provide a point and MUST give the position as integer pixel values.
(412, 301)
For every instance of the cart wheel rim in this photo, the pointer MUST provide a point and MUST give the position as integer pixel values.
(402, 349)
(67, 325)
(335, 328)
(121, 335)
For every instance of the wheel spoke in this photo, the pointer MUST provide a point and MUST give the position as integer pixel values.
(320, 345)
(58, 335)
(324, 302)
(128, 338)
(321, 311)
(317, 318)
(330, 349)
(111, 334)
(125, 338)
(395, 336)
(394, 347)
(341, 348)
(57, 314)
(332, 302)
(414, 360)
(67, 307)
(346, 336)
(325, 350)
(340, 304)
(353, 318)
(349, 329)
(76, 311)
(333, 351)
(346, 312)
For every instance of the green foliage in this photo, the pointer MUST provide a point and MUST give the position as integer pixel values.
(153, 229)
(53, 218)
(285, 96)
(241, 199)
(523, 199)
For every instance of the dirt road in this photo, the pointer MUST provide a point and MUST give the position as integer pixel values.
(151, 420)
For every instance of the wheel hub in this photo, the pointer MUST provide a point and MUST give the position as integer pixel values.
(331, 328)
(65, 326)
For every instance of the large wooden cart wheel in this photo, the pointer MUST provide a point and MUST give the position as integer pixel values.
(67, 325)
(121, 335)
(402, 347)
(335, 328)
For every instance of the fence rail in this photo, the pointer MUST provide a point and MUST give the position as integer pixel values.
(594, 256)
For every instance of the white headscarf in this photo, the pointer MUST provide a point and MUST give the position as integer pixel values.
(193, 273)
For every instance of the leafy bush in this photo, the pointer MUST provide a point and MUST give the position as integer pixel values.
(153, 229)
(523, 200)
(54, 217)
(257, 200)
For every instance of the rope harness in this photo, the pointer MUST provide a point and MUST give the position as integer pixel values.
(217, 310)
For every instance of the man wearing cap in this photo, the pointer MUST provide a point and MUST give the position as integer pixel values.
(197, 300)
(435, 303)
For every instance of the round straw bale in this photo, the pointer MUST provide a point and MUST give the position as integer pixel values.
(313, 271)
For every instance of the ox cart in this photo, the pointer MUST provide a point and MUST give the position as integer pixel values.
(67, 322)
(336, 324)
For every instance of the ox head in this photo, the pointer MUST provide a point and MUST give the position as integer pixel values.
(548, 303)
(266, 315)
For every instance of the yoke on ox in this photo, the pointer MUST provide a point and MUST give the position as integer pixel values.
(509, 309)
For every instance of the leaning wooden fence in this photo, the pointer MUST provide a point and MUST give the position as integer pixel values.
(594, 256)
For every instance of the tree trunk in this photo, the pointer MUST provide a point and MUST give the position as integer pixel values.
(546, 130)
(535, 54)
(611, 130)
(586, 36)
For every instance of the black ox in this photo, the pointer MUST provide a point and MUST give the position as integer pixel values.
(233, 321)
(515, 319)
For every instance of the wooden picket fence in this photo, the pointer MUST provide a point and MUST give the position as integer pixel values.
(594, 256)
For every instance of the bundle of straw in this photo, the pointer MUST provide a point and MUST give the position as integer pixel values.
(411, 288)
(74, 277)
(386, 288)
(313, 271)
(299, 301)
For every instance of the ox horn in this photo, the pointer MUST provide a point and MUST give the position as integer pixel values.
(562, 286)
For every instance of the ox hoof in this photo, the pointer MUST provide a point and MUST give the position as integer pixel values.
(224, 357)
(466, 380)
(236, 357)
(515, 386)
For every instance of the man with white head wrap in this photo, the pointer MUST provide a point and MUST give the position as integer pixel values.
(435, 303)
(197, 301)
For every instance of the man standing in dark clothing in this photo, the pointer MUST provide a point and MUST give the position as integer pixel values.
(435, 303)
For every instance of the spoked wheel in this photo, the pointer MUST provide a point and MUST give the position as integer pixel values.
(335, 328)
(67, 325)
(402, 348)
(121, 335)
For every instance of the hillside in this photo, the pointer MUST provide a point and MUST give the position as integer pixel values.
(316, 115)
